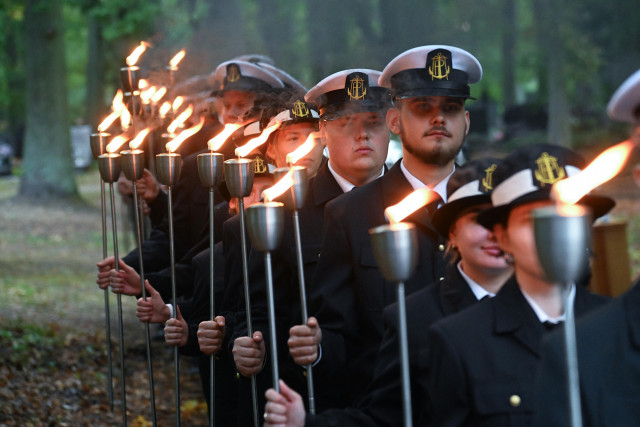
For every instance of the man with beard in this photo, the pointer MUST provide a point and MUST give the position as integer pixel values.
(349, 292)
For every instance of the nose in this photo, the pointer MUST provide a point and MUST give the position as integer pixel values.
(438, 118)
(361, 131)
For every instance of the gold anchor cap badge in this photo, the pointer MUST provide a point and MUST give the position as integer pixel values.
(300, 109)
(259, 165)
(233, 73)
(487, 181)
(439, 68)
(357, 88)
(549, 171)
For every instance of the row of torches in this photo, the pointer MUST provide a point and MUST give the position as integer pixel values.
(562, 231)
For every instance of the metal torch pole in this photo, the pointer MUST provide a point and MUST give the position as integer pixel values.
(404, 357)
(98, 144)
(247, 302)
(212, 357)
(147, 334)
(210, 173)
(395, 250)
(119, 301)
(303, 300)
(176, 360)
(107, 316)
(272, 321)
(573, 378)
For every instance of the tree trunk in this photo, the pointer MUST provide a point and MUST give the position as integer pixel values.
(47, 163)
(95, 74)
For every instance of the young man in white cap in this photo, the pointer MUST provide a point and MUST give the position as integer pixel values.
(356, 136)
(608, 340)
(482, 361)
(429, 86)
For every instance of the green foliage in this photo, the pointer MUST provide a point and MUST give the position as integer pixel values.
(22, 342)
(125, 18)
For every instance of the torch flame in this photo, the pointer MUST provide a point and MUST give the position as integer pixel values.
(257, 141)
(116, 106)
(175, 143)
(116, 143)
(159, 94)
(410, 204)
(125, 118)
(164, 109)
(135, 55)
(216, 142)
(177, 103)
(135, 143)
(173, 63)
(143, 83)
(608, 164)
(279, 187)
(179, 121)
(147, 94)
(302, 150)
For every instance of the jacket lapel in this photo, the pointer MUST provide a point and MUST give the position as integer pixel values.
(454, 292)
(513, 316)
(324, 186)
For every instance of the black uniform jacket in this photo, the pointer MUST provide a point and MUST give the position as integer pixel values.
(483, 361)
(608, 364)
(382, 406)
(349, 292)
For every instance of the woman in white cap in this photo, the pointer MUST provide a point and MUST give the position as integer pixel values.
(482, 361)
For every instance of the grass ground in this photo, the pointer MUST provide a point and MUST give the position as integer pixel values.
(53, 363)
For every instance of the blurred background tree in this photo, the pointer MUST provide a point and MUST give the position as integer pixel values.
(549, 67)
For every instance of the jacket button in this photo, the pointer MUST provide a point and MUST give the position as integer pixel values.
(515, 400)
(441, 247)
